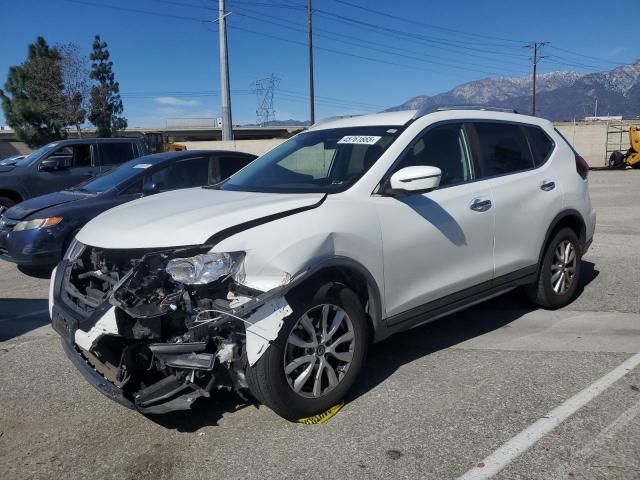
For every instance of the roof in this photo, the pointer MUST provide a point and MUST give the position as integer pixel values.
(403, 117)
(165, 156)
(97, 140)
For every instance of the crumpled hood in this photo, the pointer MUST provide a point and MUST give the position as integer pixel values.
(185, 217)
(33, 205)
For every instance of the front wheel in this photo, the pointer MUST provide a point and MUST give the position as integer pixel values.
(558, 273)
(317, 356)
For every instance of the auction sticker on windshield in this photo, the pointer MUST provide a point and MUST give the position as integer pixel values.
(359, 139)
(142, 165)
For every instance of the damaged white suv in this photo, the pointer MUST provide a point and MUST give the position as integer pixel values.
(276, 281)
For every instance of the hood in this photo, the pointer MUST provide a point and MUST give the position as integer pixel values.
(185, 217)
(34, 205)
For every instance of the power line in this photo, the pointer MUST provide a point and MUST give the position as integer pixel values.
(264, 89)
(136, 10)
(426, 25)
(383, 48)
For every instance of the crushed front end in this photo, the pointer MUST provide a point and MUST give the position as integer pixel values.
(153, 343)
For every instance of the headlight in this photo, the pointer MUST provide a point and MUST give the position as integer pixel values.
(74, 250)
(204, 268)
(37, 223)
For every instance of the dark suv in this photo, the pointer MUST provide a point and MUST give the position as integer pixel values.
(63, 164)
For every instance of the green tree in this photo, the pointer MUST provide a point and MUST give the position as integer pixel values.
(77, 88)
(106, 104)
(33, 97)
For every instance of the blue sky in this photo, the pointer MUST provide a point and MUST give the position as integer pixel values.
(165, 52)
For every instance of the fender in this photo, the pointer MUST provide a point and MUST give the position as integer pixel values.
(554, 223)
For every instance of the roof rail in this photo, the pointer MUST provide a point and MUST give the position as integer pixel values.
(430, 109)
(336, 117)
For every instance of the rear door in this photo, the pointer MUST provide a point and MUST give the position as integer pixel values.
(79, 165)
(516, 162)
(113, 154)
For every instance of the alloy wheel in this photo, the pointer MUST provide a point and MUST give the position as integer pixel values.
(563, 268)
(319, 350)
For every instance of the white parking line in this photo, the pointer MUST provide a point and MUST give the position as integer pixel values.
(25, 315)
(519, 444)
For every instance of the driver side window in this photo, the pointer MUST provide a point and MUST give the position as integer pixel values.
(444, 147)
(74, 155)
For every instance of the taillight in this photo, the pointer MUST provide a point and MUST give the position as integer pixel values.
(582, 167)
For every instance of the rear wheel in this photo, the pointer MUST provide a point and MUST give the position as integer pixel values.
(5, 204)
(317, 356)
(559, 272)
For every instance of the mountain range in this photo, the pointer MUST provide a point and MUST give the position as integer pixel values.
(560, 95)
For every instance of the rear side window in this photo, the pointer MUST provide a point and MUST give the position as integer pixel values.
(230, 165)
(503, 148)
(116, 153)
(193, 172)
(541, 144)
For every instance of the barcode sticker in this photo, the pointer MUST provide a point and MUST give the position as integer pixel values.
(359, 139)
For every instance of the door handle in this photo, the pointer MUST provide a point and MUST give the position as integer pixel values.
(547, 185)
(480, 205)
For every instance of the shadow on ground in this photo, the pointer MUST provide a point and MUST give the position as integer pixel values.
(21, 315)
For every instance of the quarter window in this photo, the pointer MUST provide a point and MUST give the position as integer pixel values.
(541, 144)
(444, 147)
(503, 148)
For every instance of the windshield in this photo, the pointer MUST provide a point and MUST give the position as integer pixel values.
(114, 178)
(33, 156)
(323, 161)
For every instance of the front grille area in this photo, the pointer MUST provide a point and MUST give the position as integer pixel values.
(90, 278)
(6, 227)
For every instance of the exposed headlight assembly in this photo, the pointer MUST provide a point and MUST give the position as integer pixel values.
(37, 223)
(204, 268)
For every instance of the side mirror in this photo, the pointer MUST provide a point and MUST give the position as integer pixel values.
(415, 179)
(51, 164)
(149, 188)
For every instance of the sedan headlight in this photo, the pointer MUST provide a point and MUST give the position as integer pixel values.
(37, 223)
(204, 268)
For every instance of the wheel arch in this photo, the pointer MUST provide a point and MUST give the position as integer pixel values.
(12, 194)
(355, 276)
(568, 218)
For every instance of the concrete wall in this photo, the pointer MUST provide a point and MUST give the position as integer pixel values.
(589, 140)
(256, 147)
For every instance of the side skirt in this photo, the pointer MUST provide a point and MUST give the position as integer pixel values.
(458, 301)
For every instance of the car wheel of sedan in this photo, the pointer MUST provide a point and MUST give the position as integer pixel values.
(317, 356)
(5, 204)
(559, 272)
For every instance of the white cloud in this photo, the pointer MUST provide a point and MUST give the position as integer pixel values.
(176, 102)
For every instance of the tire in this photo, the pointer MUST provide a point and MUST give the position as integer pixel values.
(267, 379)
(616, 160)
(542, 292)
(5, 204)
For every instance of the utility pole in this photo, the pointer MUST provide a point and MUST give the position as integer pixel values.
(225, 94)
(312, 113)
(535, 58)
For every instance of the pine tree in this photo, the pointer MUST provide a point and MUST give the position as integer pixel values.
(106, 104)
(33, 97)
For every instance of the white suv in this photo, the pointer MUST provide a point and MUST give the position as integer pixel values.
(276, 281)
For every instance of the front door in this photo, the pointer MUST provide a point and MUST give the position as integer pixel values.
(76, 166)
(438, 243)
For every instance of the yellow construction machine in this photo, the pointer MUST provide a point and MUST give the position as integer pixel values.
(632, 157)
(158, 142)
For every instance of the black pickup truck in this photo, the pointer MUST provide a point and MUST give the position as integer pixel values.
(63, 164)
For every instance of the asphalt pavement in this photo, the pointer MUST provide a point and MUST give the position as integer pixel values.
(438, 402)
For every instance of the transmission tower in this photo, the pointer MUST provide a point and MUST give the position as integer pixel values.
(264, 89)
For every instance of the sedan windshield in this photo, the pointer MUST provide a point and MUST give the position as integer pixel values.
(114, 178)
(322, 161)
